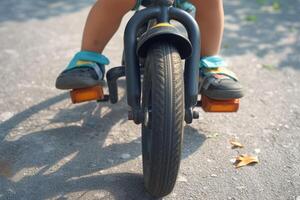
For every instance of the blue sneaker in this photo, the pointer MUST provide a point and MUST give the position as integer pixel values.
(217, 81)
(86, 69)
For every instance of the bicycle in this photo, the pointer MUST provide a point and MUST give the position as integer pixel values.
(161, 93)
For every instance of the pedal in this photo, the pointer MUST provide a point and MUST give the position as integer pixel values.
(212, 105)
(87, 94)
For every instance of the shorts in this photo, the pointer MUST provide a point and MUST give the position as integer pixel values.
(149, 2)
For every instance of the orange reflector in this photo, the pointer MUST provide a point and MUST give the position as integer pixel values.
(212, 105)
(87, 94)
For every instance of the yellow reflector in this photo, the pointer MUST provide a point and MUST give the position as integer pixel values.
(212, 105)
(87, 94)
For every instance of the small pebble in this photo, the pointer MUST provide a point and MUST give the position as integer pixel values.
(173, 194)
(11, 52)
(240, 187)
(140, 157)
(125, 156)
(181, 178)
(213, 175)
(286, 126)
(257, 150)
(230, 198)
(213, 135)
(93, 165)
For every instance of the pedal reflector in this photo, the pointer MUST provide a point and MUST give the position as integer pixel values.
(87, 94)
(212, 105)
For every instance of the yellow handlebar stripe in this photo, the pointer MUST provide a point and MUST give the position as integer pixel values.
(162, 25)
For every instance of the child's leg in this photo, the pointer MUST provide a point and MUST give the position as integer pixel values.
(216, 82)
(210, 17)
(103, 21)
(87, 67)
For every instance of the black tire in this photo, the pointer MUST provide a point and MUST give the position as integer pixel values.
(163, 104)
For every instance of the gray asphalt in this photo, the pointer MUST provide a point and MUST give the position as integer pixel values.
(51, 149)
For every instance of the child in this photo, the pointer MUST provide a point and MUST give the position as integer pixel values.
(87, 67)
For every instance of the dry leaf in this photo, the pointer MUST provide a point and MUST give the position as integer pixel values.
(236, 144)
(245, 159)
(213, 135)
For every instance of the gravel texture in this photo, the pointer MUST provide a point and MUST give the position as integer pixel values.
(51, 149)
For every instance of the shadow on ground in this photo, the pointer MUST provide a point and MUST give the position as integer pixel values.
(256, 27)
(80, 147)
(72, 158)
(20, 10)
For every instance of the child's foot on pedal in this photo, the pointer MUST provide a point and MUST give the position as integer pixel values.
(218, 82)
(85, 70)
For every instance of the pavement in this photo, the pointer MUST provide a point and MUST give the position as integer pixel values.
(51, 149)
